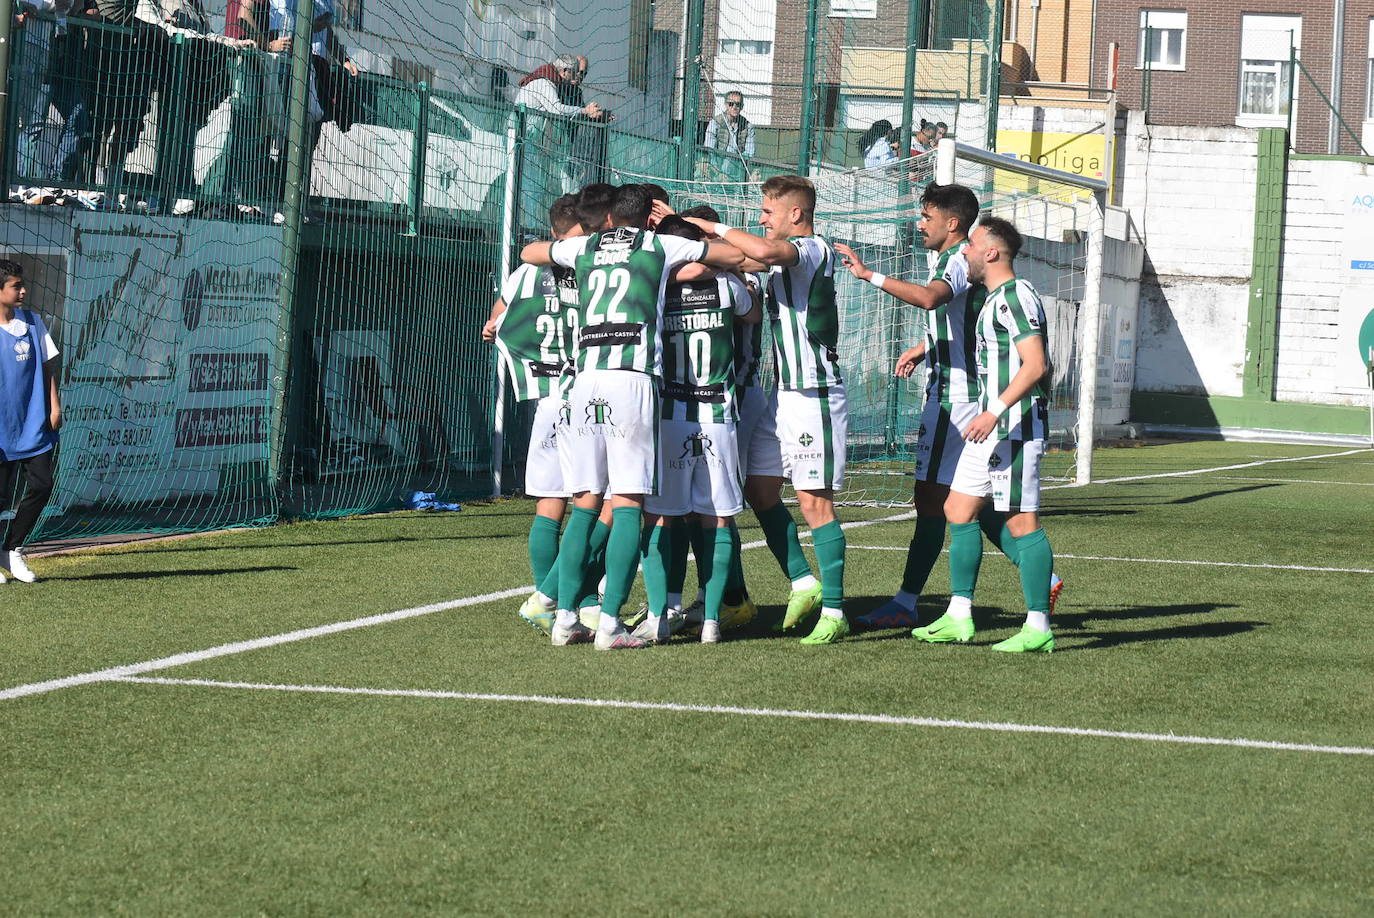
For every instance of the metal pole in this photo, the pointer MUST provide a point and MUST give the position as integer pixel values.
(808, 88)
(995, 73)
(292, 207)
(1292, 88)
(1109, 151)
(915, 36)
(1090, 321)
(1333, 133)
(419, 150)
(6, 34)
(691, 90)
(515, 143)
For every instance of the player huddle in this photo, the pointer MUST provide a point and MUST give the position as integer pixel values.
(641, 346)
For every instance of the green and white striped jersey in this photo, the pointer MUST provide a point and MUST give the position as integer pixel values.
(699, 348)
(805, 317)
(534, 335)
(749, 346)
(1013, 313)
(621, 274)
(951, 377)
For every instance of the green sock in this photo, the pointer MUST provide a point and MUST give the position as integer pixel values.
(724, 546)
(677, 564)
(572, 555)
(543, 546)
(829, 543)
(622, 558)
(965, 556)
(994, 526)
(1037, 561)
(780, 531)
(735, 590)
(656, 547)
(923, 552)
(596, 552)
(703, 549)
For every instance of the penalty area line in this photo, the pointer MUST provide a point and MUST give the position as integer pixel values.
(774, 713)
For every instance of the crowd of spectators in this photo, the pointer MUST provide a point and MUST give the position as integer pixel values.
(881, 143)
(95, 79)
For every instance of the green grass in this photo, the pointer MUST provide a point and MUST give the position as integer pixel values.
(124, 798)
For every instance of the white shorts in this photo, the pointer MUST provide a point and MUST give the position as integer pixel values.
(757, 434)
(940, 439)
(543, 472)
(1008, 470)
(700, 471)
(612, 441)
(811, 428)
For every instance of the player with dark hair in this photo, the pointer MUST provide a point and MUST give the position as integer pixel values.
(594, 206)
(1006, 441)
(614, 441)
(806, 427)
(30, 413)
(948, 213)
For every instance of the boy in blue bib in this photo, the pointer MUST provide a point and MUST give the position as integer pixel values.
(30, 413)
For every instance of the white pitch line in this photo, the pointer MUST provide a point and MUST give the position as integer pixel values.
(1359, 484)
(1229, 468)
(781, 713)
(1057, 555)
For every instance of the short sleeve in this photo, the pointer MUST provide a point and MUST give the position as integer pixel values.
(681, 251)
(811, 252)
(956, 274)
(49, 347)
(511, 288)
(565, 251)
(1022, 317)
(739, 292)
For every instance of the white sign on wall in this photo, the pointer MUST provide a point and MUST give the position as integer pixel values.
(1355, 344)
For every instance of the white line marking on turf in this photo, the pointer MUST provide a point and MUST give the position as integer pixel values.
(1360, 484)
(1057, 555)
(225, 650)
(1228, 468)
(303, 634)
(888, 719)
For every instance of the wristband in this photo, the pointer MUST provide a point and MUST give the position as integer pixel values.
(721, 229)
(997, 406)
(876, 279)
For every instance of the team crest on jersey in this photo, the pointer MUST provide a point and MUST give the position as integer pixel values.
(697, 445)
(598, 412)
(21, 350)
(806, 439)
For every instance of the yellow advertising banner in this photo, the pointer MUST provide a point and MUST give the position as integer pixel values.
(1081, 154)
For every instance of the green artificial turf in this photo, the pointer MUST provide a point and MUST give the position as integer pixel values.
(133, 798)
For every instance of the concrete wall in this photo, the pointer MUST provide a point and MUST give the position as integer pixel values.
(1191, 193)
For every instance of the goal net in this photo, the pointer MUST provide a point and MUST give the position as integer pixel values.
(876, 212)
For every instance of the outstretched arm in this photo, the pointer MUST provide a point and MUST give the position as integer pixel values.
(923, 296)
(763, 251)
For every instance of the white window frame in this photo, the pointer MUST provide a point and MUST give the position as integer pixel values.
(1163, 21)
(1249, 57)
(854, 9)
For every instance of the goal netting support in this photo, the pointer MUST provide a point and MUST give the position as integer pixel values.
(876, 211)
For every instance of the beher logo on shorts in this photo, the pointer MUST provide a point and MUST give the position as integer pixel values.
(806, 439)
(565, 414)
(599, 412)
(697, 445)
(994, 461)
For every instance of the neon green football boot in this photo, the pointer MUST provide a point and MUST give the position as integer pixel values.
(534, 612)
(801, 604)
(945, 630)
(1027, 640)
(827, 631)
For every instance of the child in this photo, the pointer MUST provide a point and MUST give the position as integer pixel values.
(30, 412)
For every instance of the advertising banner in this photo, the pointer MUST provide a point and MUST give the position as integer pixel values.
(1355, 337)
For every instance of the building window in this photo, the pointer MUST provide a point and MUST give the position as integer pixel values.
(745, 46)
(1163, 39)
(854, 9)
(1369, 83)
(1267, 46)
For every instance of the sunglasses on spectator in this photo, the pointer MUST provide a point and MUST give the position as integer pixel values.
(729, 104)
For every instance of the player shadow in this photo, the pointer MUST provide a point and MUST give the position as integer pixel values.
(1224, 492)
(1106, 639)
(152, 575)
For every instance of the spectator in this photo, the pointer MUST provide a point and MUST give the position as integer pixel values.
(941, 129)
(547, 136)
(30, 413)
(878, 145)
(924, 139)
(240, 171)
(587, 135)
(730, 138)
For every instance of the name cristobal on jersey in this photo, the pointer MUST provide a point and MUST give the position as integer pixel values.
(699, 348)
(621, 275)
(951, 333)
(536, 334)
(1013, 313)
(804, 317)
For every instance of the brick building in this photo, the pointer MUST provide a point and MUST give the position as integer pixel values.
(1226, 62)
